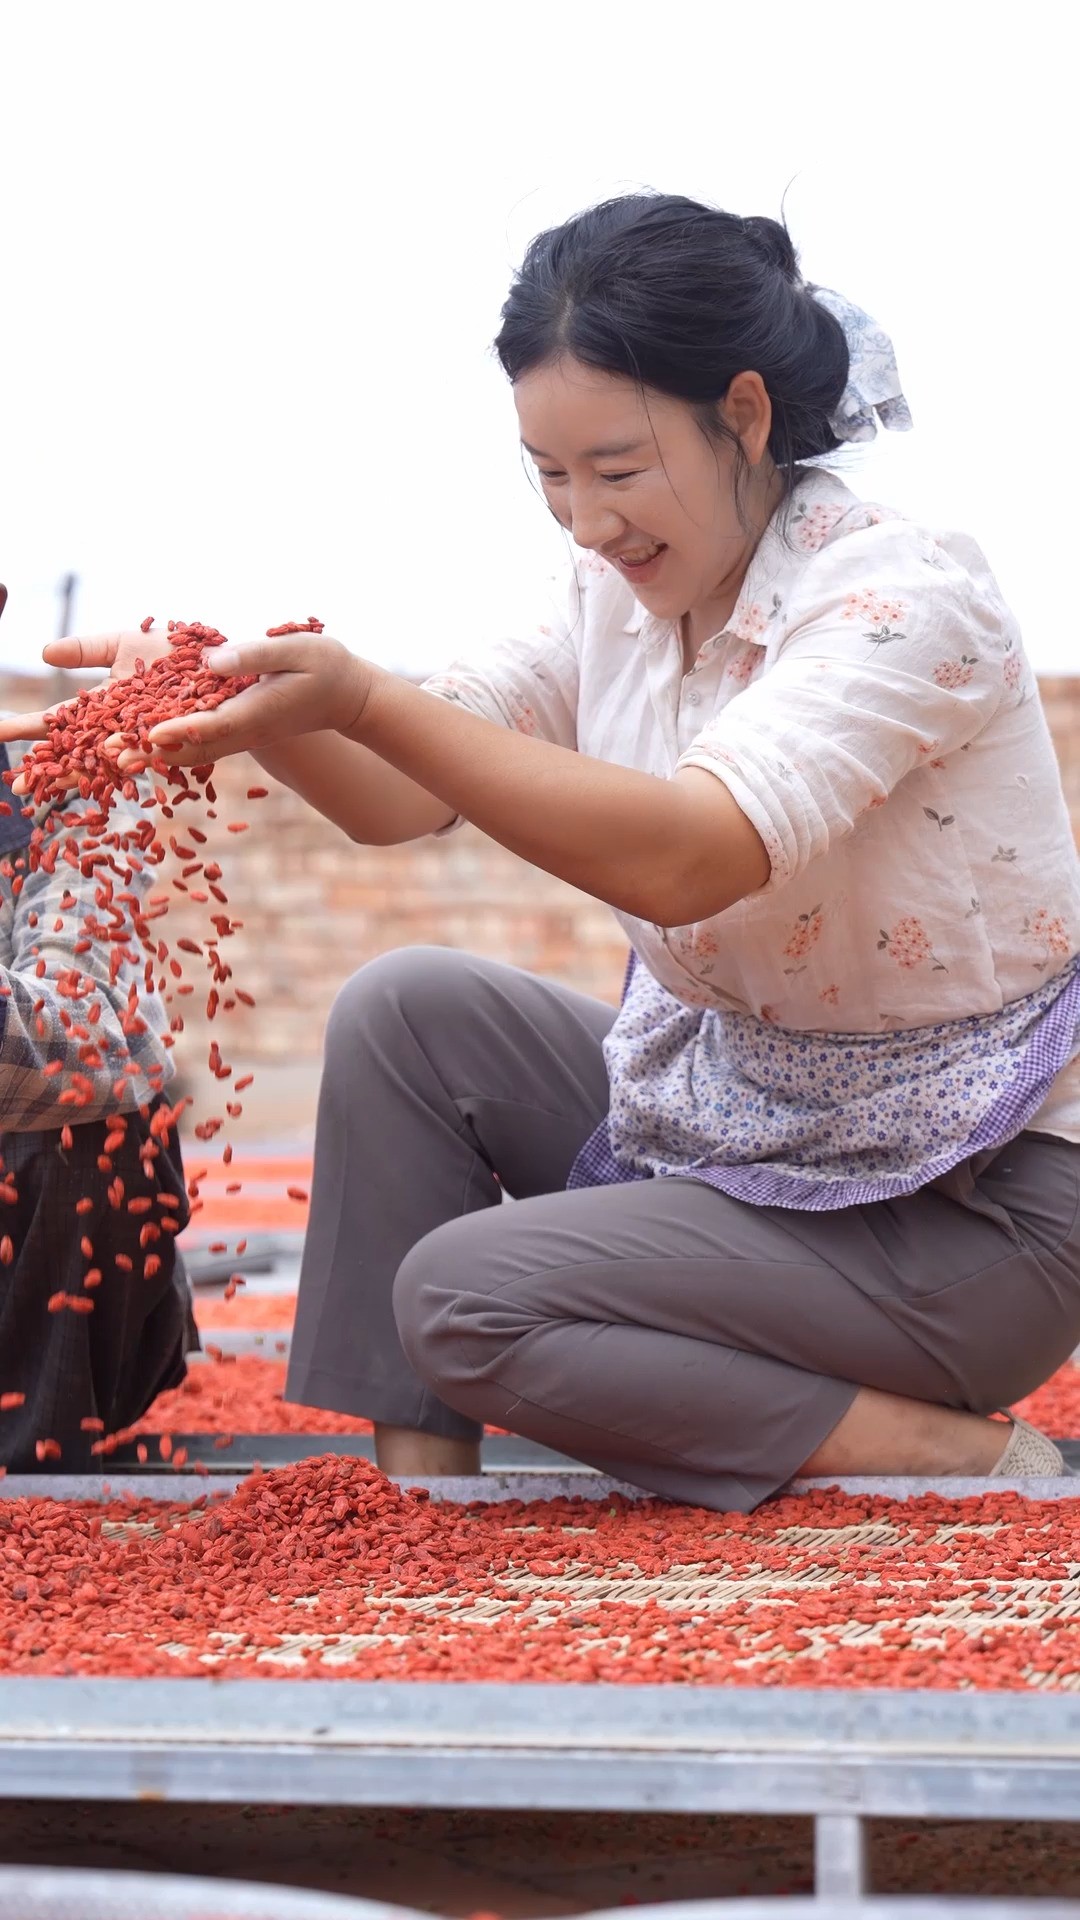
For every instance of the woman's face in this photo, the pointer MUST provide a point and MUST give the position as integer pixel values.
(632, 476)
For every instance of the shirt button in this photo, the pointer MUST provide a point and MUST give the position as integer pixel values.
(693, 697)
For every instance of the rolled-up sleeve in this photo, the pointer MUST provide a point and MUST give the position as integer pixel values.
(894, 657)
(529, 683)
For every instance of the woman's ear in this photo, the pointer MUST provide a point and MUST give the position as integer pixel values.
(747, 410)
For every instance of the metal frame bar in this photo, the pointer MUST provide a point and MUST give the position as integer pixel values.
(837, 1756)
(45, 1893)
(106, 1893)
(840, 1856)
(885, 1907)
(270, 1343)
(539, 1483)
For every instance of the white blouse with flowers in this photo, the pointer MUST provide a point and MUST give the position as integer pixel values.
(870, 708)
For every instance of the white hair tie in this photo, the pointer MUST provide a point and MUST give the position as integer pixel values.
(873, 392)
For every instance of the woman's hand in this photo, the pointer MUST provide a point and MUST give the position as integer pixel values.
(308, 683)
(118, 651)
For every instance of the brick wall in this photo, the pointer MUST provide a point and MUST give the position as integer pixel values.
(315, 907)
(1061, 699)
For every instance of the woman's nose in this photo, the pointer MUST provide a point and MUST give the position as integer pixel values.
(592, 524)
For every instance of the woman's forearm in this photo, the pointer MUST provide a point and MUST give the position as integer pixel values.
(668, 851)
(363, 795)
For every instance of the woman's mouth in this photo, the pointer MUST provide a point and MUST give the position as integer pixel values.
(641, 563)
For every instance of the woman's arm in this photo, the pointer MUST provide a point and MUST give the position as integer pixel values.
(668, 851)
(366, 797)
(370, 801)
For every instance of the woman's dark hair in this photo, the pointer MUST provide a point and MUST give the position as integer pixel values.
(681, 297)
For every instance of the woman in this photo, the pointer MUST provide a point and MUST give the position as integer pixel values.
(67, 1376)
(807, 1203)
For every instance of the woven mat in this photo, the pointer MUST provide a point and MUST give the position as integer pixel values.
(327, 1568)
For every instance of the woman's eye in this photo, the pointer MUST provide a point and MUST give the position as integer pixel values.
(609, 478)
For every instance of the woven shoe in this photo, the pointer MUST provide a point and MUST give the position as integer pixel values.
(1029, 1455)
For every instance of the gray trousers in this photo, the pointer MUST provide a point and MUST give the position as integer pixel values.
(660, 1331)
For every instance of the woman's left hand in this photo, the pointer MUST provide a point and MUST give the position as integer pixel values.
(308, 683)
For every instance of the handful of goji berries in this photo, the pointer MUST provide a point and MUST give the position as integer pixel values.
(179, 683)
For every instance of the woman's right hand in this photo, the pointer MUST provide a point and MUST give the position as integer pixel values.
(118, 651)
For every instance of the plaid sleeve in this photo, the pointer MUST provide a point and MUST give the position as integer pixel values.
(59, 1005)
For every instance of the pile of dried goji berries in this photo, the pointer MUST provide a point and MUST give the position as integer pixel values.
(265, 1311)
(1055, 1407)
(79, 755)
(239, 1394)
(328, 1568)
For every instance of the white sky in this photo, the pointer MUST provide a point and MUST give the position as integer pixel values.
(253, 257)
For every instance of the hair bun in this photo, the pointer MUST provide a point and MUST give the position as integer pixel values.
(679, 297)
(774, 242)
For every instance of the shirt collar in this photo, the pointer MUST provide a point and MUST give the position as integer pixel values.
(773, 564)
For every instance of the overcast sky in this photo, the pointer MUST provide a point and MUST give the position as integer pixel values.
(254, 255)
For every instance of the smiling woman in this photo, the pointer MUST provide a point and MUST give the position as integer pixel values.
(809, 1200)
(635, 562)
(673, 521)
(764, 374)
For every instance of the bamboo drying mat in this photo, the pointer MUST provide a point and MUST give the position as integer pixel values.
(309, 1570)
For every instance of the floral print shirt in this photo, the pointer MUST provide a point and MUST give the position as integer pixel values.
(870, 708)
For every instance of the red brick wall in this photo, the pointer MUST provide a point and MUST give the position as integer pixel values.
(315, 907)
(1061, 699)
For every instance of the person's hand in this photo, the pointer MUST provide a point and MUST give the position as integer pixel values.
(308, 683)
(117, 651)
